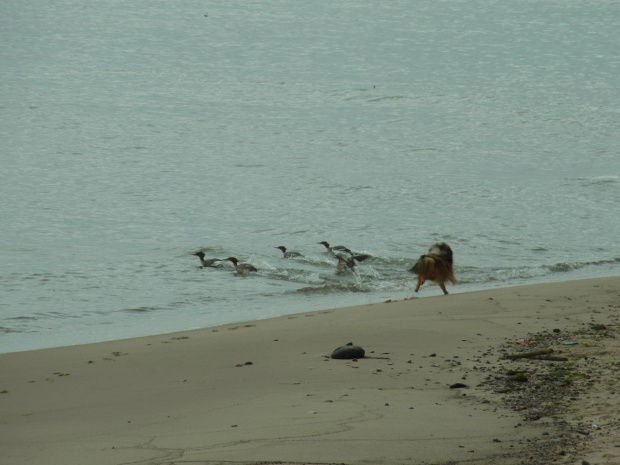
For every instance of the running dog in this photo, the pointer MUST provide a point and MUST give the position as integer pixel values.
(436, 266)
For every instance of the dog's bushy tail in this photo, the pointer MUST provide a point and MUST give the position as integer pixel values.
(423, 265)
(434, 268)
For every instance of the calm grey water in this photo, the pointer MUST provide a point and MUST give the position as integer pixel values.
(136, 133)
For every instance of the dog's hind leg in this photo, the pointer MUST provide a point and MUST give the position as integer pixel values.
(420, 282)
(443, 288)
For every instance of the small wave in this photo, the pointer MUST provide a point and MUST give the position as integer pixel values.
(605, 179)
(561, 267)
(306, 278)
(388, 97)
(250, 165)
(475, 275)
(56, 316)
(141, 309)
(5, 330)
(23, 318)
(504, 275)
(295, 276)
(599, 180)
(334, 288)
(564, 267)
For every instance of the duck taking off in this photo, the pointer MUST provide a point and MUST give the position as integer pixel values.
(341, 250)
(336, 248)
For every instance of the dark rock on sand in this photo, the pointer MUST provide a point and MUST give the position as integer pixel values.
(348, 352)
(459, 386)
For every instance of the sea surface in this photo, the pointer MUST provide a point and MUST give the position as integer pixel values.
(136, 133)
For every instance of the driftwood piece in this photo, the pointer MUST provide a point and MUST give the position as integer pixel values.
(534, 353)
(552, 358)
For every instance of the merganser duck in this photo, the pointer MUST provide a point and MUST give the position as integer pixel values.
(288, 254)
(241, 268)
(340, 249)
(209, 263)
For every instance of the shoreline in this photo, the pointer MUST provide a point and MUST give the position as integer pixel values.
(264, 391)
(428, 291)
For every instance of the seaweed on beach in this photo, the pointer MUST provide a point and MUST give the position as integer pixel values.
(561, 381)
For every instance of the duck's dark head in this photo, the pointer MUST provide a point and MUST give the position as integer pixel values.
(326, 244)
(233, 260)
(281, 247)
(200, 254)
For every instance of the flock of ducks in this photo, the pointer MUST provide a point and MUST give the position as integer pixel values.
(346, 259)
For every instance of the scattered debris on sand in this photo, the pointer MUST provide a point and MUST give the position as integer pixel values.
(566, 383)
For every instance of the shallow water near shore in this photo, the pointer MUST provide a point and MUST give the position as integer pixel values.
(134, 136)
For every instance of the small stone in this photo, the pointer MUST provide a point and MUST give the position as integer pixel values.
(459, 386)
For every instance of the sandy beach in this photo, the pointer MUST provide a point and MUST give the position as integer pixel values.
(435, 386)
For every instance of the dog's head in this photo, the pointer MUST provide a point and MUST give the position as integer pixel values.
(442, 250)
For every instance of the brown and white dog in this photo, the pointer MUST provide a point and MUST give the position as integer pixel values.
(436, 266)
